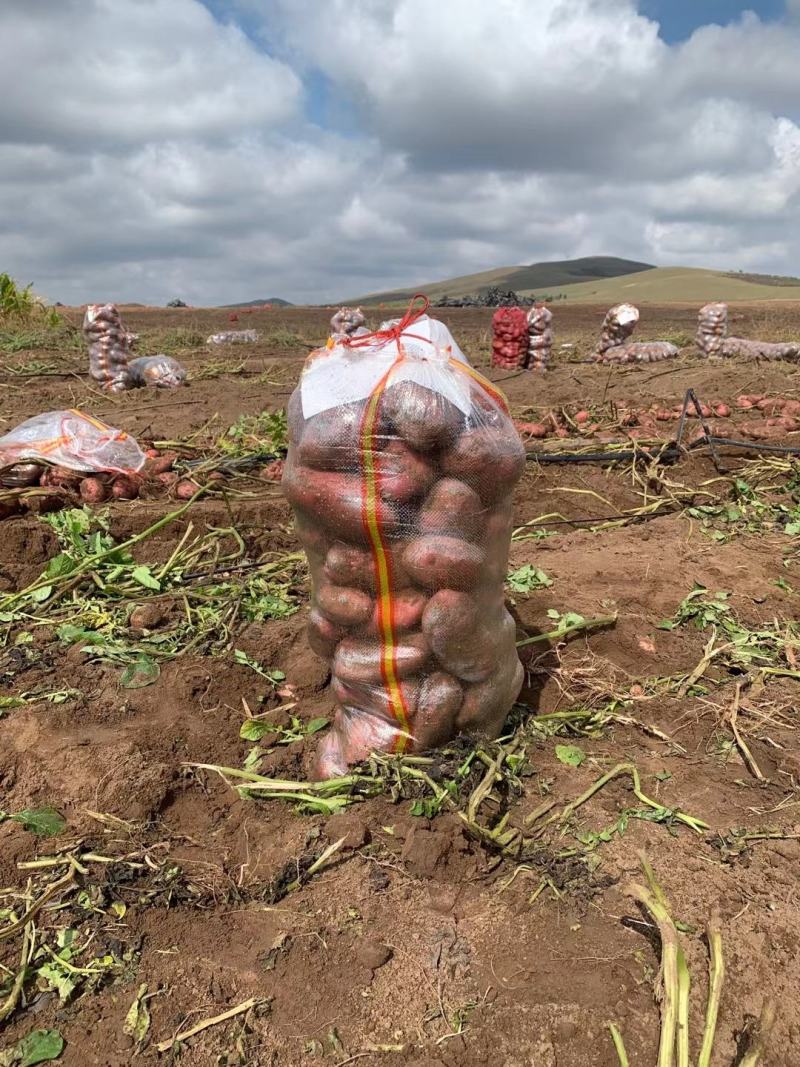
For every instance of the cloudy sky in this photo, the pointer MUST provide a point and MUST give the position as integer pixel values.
(222, 150)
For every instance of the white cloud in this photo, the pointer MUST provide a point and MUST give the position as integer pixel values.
(153, 151)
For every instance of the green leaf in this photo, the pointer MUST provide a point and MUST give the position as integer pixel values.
(142, 672)
(40, 1046)
(137, 1020)
(60, 565)
(666, 624)
(313, 726)
(255, 729)
(143, 576)
(571, 755)
(44, 822)
(42, 593)
(792, 529)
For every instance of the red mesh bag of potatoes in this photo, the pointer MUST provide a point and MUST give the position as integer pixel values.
(401, 464)
(509, 338)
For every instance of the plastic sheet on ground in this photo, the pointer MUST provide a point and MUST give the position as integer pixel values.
(72, 439)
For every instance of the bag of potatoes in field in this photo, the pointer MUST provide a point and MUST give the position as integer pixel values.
(109, 348)
(540, 337)
(509, 338)
(618, 325)
(401, 464)
(712, 328)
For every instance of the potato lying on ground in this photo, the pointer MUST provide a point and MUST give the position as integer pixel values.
(441, 562)
(94, 490)
(360, 659)
(422, 417)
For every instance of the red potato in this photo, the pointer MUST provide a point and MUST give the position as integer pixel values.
(273, 472)
(349, 565)
(487, 704)
(440, 562)
(405, 611)
(360, 660)
(93, 490)
(331, 439)
(488, 459)
(125, 488)
(440, 698)
(335, 501)
(347, 607)
(168, 478)
(402, 474)
(424, 419)
(161, 464)
(314, 539)
(722, 411)
(535, 429)
(185, 490)
(792, 407)
(452, 508)
(360, 734)
(374, 699)
(582, 417)
(152, 453)
(771, 404)
(323, 635)
(465, 636)
(662, 415)
(744, 402)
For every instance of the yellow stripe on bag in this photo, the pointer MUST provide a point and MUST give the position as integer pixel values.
(383, 576)
(491, 389)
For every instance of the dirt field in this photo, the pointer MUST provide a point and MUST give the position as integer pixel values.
(420, 941)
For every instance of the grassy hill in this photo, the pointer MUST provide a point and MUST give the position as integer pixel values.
(664, 285)
(534, 277)
(274, 300)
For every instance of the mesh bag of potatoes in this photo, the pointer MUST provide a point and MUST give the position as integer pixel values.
(402, 460)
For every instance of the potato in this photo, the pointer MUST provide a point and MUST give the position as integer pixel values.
(343, 605)
(360, 734)
(348, 565)
(423, 418)
(438, 703)
(406, 611)
(360, 660)
(125, 488)
(329, 761)
(313, 538)
(323, 635)
(487, 703)
(464, 636)
(93, 490)
(401, 473)
(330, 440)
(374, 698)
(440, 562)
(489, 459)
(334, 500)
(185, 490)
(161, 464)
(453, 508)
